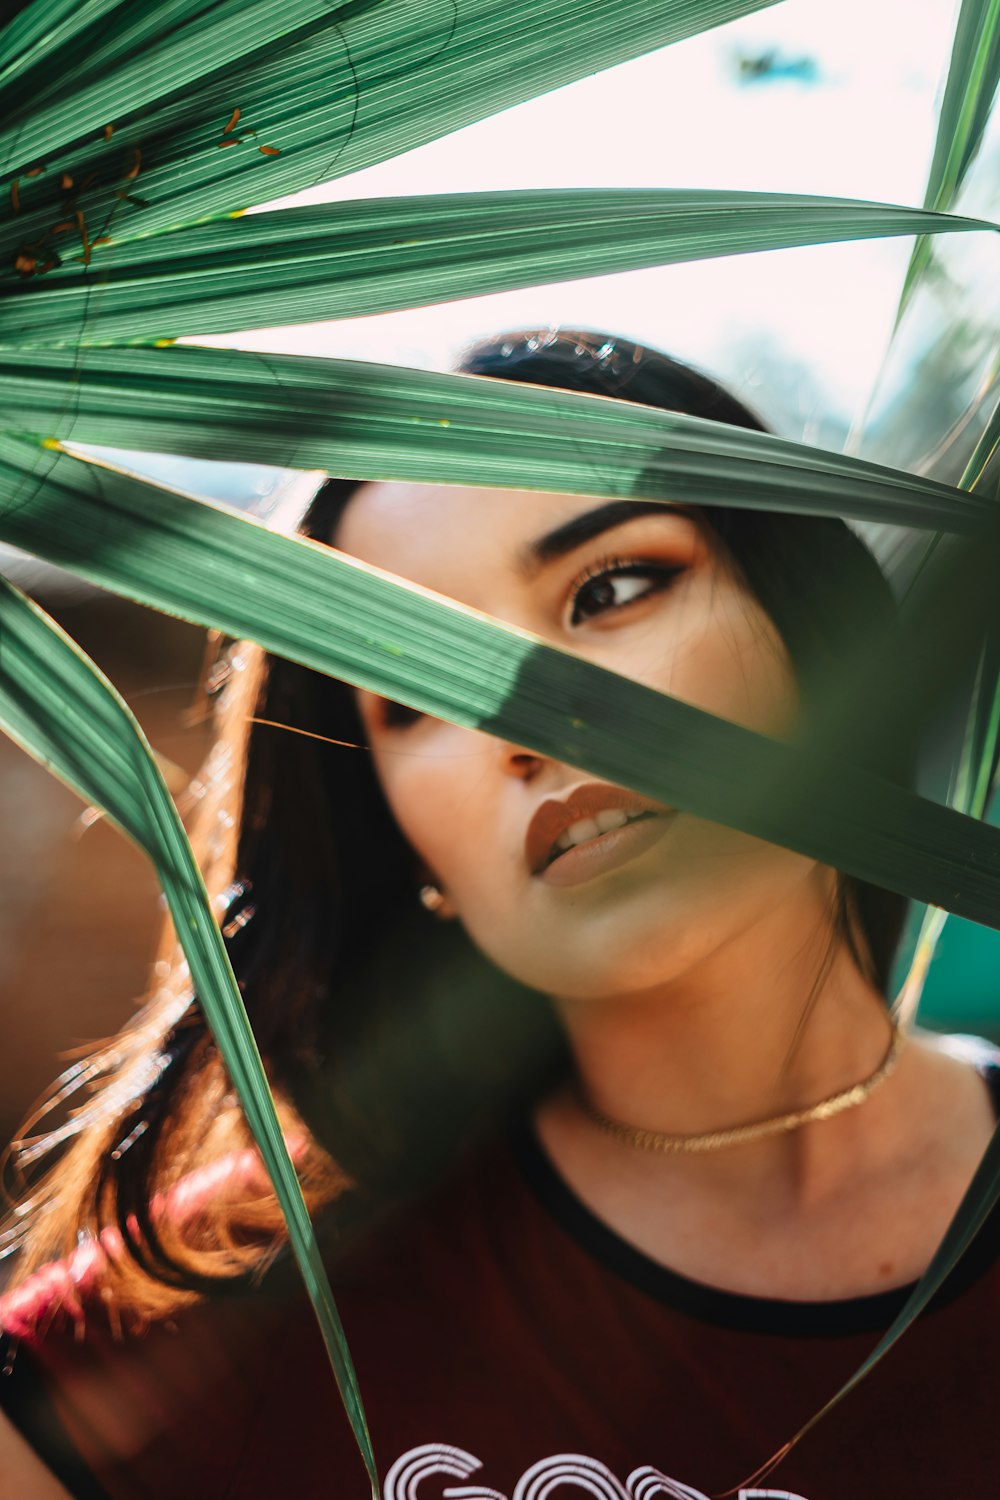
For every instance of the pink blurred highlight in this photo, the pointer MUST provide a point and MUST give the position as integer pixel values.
(64, 1287)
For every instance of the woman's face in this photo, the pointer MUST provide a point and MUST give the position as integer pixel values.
(645, 592)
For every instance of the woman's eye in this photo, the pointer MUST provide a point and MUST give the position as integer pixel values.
(614, 587)
(397, 715)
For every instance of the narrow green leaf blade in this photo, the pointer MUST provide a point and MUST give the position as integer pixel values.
(969, 795)
(976, 1206)
(380, 422)
(338, 260)
(974, 783)
(95, 70)
(60, 708)
(330, 612)
(47, 40)
(973, 75)
(37, 31)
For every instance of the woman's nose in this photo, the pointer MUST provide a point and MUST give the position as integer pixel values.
(515, 760)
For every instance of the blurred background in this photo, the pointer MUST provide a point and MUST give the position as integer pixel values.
(837, 100)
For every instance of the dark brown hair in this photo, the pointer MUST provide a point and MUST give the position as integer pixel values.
(358, 1000)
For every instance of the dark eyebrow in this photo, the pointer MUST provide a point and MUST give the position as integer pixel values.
(588, 525)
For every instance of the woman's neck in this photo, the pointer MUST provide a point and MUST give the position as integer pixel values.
(738, 1039)
(837, 1208)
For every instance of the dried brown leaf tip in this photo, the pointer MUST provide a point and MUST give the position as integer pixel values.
(247, 133)
(81, 224)
(66, 182)
(34, 172)
(107, 132)
(228, 139)
(15, 196)
(28, 258)
(136, 166)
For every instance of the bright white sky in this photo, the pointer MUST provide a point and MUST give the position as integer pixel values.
(863, 127)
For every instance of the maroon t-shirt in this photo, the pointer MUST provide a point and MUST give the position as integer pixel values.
(510, 1346)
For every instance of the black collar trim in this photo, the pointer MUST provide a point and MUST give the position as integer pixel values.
(746, 1314)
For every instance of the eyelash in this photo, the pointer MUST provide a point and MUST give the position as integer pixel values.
(665, 575)
(398, 716)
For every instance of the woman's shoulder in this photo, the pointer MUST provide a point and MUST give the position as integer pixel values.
(181, 1394)
(958, 1078)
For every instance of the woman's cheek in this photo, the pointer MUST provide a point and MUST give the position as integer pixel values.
(415, 807)
(428, 808)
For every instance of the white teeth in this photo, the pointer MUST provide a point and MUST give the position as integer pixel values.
(583, 829)
(591, 828)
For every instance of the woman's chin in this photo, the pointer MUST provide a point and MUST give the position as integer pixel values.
(613, 967)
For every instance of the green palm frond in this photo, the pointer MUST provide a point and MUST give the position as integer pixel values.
(369, 421)
(975, 780)
(340, 616)
(965, 110)
(968, 99)
(338, 260)
(135, 134)
(329, 88)
(59, 707)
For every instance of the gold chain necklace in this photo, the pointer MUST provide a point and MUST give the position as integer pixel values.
(716, 1140)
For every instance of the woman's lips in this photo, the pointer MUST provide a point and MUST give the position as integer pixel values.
(556, 815)
(607, 851)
